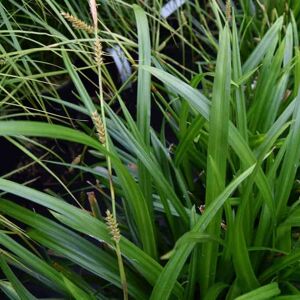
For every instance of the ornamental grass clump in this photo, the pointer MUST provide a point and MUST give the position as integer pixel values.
(185, 176)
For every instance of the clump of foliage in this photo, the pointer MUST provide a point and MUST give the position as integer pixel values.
(200, 205)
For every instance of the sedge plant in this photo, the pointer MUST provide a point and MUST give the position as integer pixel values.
(206, 206)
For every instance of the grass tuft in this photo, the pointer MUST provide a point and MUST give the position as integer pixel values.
(168, 169)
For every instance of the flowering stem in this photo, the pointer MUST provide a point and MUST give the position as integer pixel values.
(98, 49)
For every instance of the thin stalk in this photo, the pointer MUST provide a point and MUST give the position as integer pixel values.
(111, 186)
(111, 219)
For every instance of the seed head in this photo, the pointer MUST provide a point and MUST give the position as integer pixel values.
(228, 10)
(77, 23)
(98, 52)
(113, 226)
(99, 127)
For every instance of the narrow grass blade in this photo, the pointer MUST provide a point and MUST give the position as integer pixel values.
(144, 109)
(187, 141)
(239, 95)
(8, 290)
(196, 99)
(84, 96)
(215, 290)
(217, 153)
(279, 265)
(77, 293)
(246, 277)
(22, 292)
(263, 293)
(290, 163)
(138, 206)
(287, 175)
(144, 77)
(40, 129)
(263, 47)
(33, 262)
(263, 102)
(196, 237)
(287, 297)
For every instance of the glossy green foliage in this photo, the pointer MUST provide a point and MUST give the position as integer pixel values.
(204, 149)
